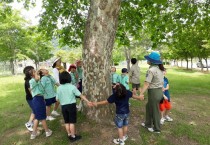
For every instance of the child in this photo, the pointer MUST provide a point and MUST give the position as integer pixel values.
(74, 75)
(48, 83)
(114, 77)
(135, 76)
(29, 98)
(66, 94)
(124, 79)
(38, 105)
(120, 97)
(165, 104)
(80, 74)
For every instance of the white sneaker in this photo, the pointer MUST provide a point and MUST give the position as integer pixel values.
(118, 141)
(152, 130)
(125, 137)
(167, 118)
(162, 121)
(48, 133)
(29, 126)
(34, 135)
(55, 113)
(50, 118)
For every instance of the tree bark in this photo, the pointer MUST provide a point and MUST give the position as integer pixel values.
(99, 39)
(12, 67)
(128, 57)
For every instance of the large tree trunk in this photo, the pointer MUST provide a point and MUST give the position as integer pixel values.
(99, 39)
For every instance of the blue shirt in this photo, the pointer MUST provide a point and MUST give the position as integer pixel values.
(166, 92)
(122, 105)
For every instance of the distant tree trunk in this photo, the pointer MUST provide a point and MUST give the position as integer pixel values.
(128, 57)
(12, 66)
(207, 65)
(187, 63)
(99, 39)
(191, 60)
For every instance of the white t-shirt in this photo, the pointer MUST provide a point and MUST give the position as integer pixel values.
(56, 75)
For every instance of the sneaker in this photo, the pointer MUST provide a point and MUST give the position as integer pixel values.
(125, 137)
(73, 139)
(40, 123)
(118, 141)
(162, 121)
(167, 118)
(50, 118)
(55, 113)
(48, 133)
(29, 126)
(34, 135)
(152, 130)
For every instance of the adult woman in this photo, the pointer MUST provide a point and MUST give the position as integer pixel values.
(154, 84)
(57, 69)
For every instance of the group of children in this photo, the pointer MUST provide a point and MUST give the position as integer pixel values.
(41, 94)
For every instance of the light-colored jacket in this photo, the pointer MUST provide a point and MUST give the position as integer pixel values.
(135, 74)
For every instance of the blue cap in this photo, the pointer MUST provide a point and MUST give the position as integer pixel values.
(154, 58)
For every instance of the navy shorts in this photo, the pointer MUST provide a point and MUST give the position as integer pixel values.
(136, 86)
(50, 101)
(121, 120)
(69, 112)
(39, 107)
(30, 103)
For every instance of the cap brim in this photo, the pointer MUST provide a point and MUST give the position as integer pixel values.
(152, 60)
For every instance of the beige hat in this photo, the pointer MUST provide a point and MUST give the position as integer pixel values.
(55, 60)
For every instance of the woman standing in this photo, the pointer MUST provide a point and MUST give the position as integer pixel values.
(154, 84)
(57, 69)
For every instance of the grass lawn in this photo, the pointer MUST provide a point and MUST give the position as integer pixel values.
(190, 101)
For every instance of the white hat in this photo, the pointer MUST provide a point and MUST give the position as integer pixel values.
(55, 60)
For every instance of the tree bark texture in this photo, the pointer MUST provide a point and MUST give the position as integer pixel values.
(99, 39)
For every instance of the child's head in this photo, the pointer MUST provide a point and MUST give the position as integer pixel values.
(43, 72)
(72, 68)
(28, 72)
(79, 63)
(120, 91)
(113, 69)
(64, 77)
(133, 60)
(124, 71)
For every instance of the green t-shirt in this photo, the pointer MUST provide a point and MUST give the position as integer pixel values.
(80, 72)
(36, 87)
(66, 94)
(124, 80)
(114, 77)
(74, 80)
(48, 83)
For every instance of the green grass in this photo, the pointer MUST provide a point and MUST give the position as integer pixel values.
(190, 101)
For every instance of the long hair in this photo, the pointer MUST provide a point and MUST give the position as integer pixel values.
(120, 91)
(27, 71)
(161, 67)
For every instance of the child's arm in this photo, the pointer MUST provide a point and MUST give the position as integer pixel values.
(84, 98)
(145, 87)
(100, 103)
(165, 97)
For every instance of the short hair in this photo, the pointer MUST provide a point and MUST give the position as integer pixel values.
(133, 60)
(64, 77)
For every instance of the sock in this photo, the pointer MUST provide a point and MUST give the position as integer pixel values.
(73, 136)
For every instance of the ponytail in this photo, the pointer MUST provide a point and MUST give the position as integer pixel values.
(161, 67)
